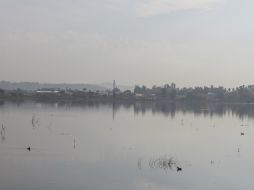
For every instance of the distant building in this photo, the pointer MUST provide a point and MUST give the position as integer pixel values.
(47, 91)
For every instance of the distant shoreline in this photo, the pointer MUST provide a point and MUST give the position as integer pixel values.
(167, 93)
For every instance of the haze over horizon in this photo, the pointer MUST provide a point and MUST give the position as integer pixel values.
(150, 42)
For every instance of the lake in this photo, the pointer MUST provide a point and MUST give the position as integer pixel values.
(124, 146)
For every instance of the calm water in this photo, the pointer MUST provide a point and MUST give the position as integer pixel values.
(126, 147)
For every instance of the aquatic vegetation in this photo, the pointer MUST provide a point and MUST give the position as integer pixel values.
(3, 133)
(35, 121)
(165, 163)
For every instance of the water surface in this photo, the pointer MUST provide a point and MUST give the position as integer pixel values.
(126, 147)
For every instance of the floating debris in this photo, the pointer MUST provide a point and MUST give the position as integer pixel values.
(28, 148)
(242, 133)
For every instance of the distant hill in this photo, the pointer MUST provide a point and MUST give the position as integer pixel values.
(32, 86)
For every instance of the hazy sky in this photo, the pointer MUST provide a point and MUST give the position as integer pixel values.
(190, 42)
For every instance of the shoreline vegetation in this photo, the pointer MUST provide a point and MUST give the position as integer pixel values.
(166, 93)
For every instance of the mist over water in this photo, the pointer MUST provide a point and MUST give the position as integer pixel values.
(126, 146)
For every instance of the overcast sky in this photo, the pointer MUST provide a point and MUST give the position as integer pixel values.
(189, 42)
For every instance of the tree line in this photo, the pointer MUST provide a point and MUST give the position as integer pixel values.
(171, 92)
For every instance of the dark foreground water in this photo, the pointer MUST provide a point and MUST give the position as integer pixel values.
(126, 147)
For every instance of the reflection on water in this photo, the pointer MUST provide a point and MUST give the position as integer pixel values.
(240, 110)
(167, 109)
(145, 145)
